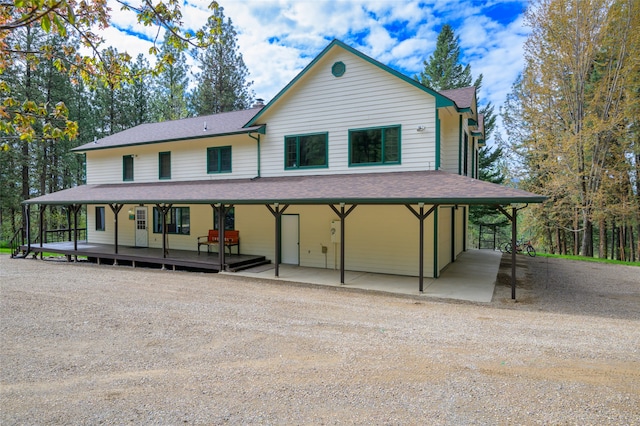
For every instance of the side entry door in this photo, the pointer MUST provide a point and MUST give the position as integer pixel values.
(142, 233)
(290, 249)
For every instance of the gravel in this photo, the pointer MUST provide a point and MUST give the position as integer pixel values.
(89, 344)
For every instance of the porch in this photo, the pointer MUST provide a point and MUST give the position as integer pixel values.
(471, 277)
(149, 257)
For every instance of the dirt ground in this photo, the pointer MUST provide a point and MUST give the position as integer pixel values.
(89, 344)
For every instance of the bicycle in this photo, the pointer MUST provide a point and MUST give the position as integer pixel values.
(521, 247)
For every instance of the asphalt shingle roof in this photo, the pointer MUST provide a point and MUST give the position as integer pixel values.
(462, 97)
(430, 187)
(188, 128)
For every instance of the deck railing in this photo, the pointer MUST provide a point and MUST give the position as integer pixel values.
(17, 241)
(65, 234)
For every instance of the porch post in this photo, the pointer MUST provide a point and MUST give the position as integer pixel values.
(76, 209)
(421, 217)
(221, 254)
(453, 233)
(343, 216)
(69, 208)
(276, 211)
(164, 209)
(27, 227)
(115, 208)
(514, 233)
(42, 209)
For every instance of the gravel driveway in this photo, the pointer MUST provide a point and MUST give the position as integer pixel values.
(88, 344)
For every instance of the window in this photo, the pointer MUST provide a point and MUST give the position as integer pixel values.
(305, 151)
(100, 220)
(164, 165)
(178, 221)
(127, 167)
(229, 219)
(374, 146)
(219, 159)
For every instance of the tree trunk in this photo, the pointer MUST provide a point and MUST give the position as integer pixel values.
(587, 238)
(621, 242)
(576, 235)
(602, 244)
(550, 238)
(632, 255)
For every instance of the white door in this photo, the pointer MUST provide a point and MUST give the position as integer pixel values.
(142, 235)
(290, 248)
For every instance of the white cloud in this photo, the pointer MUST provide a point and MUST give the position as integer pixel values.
(278, 38)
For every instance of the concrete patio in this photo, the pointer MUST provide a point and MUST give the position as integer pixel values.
(471, 277)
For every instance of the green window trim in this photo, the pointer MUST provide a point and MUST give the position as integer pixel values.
(308, 151)
(178, 221)
(374, 146)
(100, 219)
(219, 159)
(127, 168)
(164, 165)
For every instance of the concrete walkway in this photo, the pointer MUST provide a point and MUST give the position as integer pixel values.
(471, 277)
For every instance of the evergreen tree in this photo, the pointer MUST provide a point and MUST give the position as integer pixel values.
(443, 70)
(169, 99)
(137, 92)
(222, 84)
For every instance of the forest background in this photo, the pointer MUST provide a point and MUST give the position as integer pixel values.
(570, 124)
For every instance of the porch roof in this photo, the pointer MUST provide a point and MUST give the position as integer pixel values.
(429, 187)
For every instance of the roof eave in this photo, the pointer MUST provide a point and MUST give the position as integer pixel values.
(259, 129)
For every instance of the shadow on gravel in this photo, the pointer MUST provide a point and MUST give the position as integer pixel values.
(570, 287)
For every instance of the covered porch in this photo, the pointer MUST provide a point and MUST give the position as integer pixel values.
(422, 193)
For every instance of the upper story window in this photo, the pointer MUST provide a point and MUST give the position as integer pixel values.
(127, 167)
(219, 159)
(100, 219)
(164, 165)
(306, 151)
(379, 145)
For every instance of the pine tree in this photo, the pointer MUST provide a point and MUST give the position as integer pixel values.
(222, 83)
(443, 70)
(169, 98)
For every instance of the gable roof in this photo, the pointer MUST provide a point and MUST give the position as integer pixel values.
(463, 97)
(222, 124)
(429, 187)
(441, 100)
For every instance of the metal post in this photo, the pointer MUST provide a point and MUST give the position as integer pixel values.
(115, 208)
(514, 233)
(42, 210)
(421, 217)
(343, 216)
(277, 214)
(221, 254)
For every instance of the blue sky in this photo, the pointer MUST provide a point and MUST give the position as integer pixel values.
(278, 38)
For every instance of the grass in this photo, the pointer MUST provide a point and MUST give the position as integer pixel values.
(588, 259)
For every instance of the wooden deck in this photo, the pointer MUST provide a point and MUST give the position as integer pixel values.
(150, 257)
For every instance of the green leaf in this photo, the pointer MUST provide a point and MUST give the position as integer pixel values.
(45, 22)
(71, 16)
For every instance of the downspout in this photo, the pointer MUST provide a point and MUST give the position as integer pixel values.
(460, 145)
(437, 140)
(257, 139)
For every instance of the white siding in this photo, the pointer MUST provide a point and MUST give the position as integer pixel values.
(365, 96)
(449, 141)
(188, 160)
